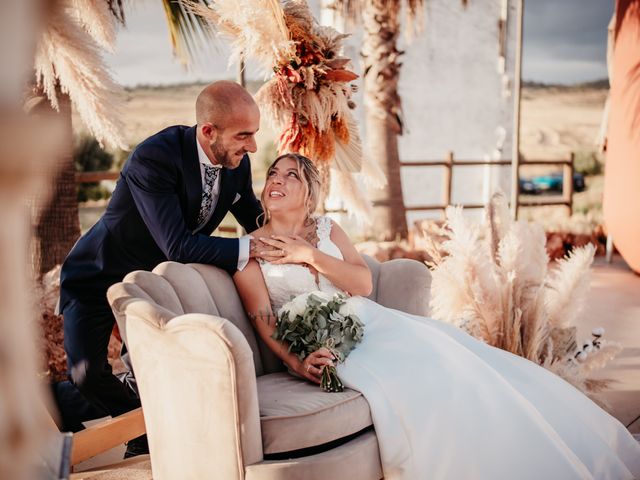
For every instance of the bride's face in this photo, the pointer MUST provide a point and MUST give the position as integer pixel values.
(284, 189)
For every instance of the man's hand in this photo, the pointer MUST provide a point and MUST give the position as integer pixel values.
(256, 247)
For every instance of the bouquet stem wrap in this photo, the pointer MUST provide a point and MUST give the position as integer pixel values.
(315, 320)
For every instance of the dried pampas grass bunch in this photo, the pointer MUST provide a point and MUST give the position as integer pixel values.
(308, 97)
(68, 60)
(494, 281)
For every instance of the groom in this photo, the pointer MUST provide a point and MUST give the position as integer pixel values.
(174, 190)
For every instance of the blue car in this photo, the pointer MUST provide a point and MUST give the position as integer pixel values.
(528, 187)
(549, 183)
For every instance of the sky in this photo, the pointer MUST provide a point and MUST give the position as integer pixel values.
(565, 41)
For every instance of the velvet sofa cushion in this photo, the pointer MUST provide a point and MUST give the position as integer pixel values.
(296, 414)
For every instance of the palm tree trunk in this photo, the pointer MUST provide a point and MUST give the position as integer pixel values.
(383, 111)
(57, 225)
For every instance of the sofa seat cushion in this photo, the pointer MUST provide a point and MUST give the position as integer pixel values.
(296, 414)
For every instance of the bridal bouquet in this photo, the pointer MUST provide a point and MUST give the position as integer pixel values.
(315, 320)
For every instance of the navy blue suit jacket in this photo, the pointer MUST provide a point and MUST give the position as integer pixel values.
(152, 215)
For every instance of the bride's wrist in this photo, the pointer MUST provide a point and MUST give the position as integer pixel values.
(294, 366)
(311, 261)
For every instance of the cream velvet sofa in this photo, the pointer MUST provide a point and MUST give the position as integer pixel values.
(218, 404)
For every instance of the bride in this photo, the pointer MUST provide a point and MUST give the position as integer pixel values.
(444, 405)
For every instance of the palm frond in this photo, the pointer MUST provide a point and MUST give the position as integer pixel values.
(69, 59)
(99, 20)
(256, 27)
(188, 32)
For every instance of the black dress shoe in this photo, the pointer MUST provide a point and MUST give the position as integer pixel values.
(137, 446)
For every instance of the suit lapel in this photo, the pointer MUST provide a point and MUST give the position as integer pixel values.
(192, 177)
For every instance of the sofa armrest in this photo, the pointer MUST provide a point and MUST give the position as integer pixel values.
(404, 284)
(197, 385)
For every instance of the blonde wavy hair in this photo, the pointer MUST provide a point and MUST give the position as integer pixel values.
(310, 178)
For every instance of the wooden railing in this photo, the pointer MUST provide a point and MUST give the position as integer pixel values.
(93, 177)
(449, 163)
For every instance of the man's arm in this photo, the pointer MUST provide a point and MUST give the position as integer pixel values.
(153, 186)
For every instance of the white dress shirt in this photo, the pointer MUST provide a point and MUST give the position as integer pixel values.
(243, 251)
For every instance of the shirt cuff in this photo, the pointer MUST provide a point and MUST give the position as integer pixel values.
(243, 251)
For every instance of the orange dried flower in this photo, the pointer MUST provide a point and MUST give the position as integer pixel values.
(340, 76)
(340, 130)
(325, 148)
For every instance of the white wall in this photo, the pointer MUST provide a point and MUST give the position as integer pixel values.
(456, 98)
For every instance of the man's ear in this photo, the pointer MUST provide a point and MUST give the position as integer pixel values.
(209, 131)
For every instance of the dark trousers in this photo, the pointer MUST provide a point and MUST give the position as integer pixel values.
(93, 391)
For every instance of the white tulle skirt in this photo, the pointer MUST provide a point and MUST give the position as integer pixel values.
(446, 406)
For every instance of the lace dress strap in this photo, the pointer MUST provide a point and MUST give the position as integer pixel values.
(323, 228)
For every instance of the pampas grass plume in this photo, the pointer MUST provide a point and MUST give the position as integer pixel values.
(567, 285)
(494, 282)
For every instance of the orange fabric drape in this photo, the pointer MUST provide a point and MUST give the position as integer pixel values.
(622, 170)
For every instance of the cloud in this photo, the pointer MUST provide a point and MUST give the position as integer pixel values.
(144, 53)
(565, 41)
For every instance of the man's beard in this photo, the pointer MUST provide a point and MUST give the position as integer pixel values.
(222, 155)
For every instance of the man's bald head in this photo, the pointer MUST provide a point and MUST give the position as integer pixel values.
(220, 101)
(228, 120)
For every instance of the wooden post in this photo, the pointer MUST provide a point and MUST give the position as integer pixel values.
(446, 182)
(241, 78)
(515, 150)
(567, 183)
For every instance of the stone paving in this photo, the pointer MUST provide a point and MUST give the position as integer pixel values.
(614, 304)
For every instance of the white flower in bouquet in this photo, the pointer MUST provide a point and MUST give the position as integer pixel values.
(297, 305)
(294, 307)
(347, 309)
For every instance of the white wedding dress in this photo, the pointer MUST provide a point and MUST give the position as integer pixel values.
(447, 406)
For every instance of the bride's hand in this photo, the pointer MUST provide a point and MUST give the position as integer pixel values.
(288, 249)
(312, 365)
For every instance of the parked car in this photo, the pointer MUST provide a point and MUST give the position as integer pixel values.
(527, 186)
(549, 183)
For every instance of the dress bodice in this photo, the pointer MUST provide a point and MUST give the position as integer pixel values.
(290, 280)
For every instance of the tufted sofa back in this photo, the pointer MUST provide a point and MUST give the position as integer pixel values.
(173, 289)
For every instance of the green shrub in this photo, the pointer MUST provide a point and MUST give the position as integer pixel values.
(92, 191)
(120, 157)
(89, 156)
(588, 162)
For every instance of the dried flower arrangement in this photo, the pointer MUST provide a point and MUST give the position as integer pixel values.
(308, 98)
(494, 281)
(68, 59)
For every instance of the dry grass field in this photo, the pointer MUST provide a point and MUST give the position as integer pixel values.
(555, 121)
